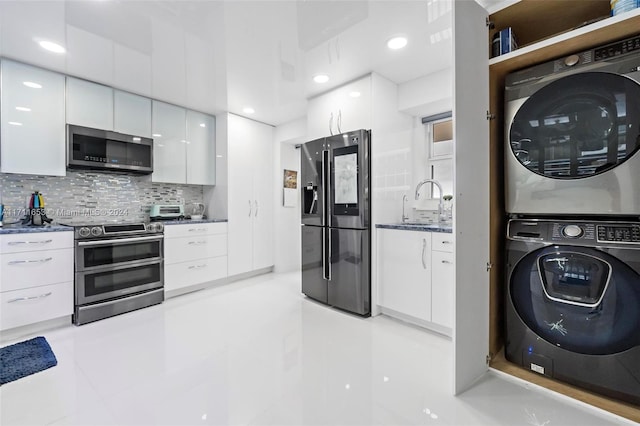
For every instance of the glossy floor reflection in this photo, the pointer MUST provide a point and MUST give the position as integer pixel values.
(258, 352)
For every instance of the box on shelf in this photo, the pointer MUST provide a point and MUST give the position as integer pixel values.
(504, 41)
(620, 6)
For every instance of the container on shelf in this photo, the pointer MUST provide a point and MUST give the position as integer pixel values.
(504, 41)
(621, 6)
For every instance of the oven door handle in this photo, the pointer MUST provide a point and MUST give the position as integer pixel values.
(117, 241)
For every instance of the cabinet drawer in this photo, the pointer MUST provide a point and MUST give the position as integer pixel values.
(442, 242)
(178, 250)
(22, 307)
(31, 269)
(17, 243)
(188, 230)
(186, 274)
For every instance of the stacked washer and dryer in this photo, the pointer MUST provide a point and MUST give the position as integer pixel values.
(572, 169)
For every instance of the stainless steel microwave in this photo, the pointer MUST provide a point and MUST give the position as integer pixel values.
(104, 150)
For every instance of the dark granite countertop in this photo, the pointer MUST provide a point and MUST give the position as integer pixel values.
(188, 221)
(25, 229)
(412, 226)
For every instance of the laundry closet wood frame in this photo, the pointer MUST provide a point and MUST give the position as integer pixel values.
(545, 31)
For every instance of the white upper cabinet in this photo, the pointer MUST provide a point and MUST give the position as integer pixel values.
(33, 126)
(132, 114)
(89, 104)
(341, 110)
(201, 148)
(169, 137)
(184, 145)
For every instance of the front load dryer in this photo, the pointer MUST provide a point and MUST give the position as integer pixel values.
(572, 303)
(572, 133)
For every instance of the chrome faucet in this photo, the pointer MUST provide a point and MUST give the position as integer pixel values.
(440, 202)
(404, 216)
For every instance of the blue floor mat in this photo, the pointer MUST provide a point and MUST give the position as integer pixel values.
(25, 358)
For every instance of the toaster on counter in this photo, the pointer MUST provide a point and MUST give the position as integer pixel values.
(166, 211)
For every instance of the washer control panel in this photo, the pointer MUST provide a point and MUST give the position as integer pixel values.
(625, 233)
(577, 232)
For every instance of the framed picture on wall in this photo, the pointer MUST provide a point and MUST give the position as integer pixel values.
(290, 188)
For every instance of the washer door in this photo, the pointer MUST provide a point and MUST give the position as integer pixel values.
(578, 126)
(578, 298)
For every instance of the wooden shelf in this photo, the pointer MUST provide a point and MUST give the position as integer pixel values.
(601, 32)
(629, 411)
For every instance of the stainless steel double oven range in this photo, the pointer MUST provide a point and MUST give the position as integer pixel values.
(572, 169)
(118, 268)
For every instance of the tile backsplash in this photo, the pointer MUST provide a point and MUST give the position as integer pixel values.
(87, 196)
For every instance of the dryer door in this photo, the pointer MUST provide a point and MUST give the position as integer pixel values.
(578, 126)
(581, 299)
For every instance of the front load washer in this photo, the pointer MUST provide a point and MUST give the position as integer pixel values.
(572, 307)
(573, 134)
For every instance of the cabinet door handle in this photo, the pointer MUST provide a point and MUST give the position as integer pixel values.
(23, 299)
(256, 214)
(250, 208)
(198, 266)
(339, 121)
(20, 262)
(447, 262)
(331, 124)
(447, 242)
(197, 243)
(15, 243)
(198, 230)
(424, 250)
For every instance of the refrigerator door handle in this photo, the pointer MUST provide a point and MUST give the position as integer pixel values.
(325, 172)
(324, 253)
(329, 259)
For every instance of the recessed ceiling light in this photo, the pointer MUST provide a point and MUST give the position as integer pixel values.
(248, 110)
(321, 78)
(397, 43)
(203, 125)
(19, 108)
(51, 46)
(219, 156)
(32, 84)
(15, 123)
(136, 139)
(354, 94)
(156, 135)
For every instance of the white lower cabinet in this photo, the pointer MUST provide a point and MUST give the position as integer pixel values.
(36, 277)
(194, 254)
(416, 277)
(404, 272)
(35, 304)
(442, 286)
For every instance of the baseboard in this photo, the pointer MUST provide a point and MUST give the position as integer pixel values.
(35, 328)
(439, 329)
(216, 283)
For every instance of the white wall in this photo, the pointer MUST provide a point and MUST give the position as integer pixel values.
(427, 95)
(287, 243)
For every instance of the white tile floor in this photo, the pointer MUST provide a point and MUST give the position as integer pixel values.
(258, 352)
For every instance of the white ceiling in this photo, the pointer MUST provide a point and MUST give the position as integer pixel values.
(219, 56)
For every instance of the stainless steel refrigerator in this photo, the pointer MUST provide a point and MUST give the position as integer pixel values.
(336, 254)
